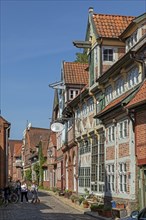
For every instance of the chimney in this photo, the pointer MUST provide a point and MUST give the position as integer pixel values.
(90, 10)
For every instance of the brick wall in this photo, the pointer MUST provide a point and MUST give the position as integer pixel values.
(110, 153)
(123, 150)
(140, 136)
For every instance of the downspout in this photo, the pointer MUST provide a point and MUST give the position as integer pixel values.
(100, 59)
(7, 131)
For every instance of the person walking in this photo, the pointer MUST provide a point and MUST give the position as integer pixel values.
(34, 190)
(24, 191)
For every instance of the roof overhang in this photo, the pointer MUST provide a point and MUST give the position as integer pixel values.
(57, 85)
(82, 44)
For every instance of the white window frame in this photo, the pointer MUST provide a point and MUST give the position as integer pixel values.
(73, 93)
(84, 109)
(109, 94)
(122, 177)
(46, 175)
(132, 78)
(90, 104)
(132, 40)
(110, 177)
(111, 133)
(108, 55)
(123, 129)
(119, 87)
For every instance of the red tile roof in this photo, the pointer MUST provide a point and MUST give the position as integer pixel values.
(75, 73)
(111, 26)
(139, 98)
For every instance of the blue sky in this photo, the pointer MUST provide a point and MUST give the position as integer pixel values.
(36, 36)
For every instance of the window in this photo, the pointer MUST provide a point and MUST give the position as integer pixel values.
(107, 54)
(123, 129)
(97, 163)
(73, 93)
(85, 147)
(111, 133)
(108, 94)
(94, 159)
(96, 55)
(84, 109)
(110, 178)
(132, 40)
(133, 78)
(122, 177)
(90, 105)
(46, 175)
(84, 176)
(119, 86)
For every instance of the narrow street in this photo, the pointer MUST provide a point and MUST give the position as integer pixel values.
(50, 208)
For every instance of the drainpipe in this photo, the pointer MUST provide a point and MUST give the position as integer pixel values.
(100, 63)
(7, 130)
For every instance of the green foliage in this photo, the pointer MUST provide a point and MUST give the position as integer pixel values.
(81, 58)
(28, 175)
(81, 199)
(107, 208)
(36, 168)
(41, 161)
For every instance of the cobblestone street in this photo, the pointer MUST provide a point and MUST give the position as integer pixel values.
(49, 208)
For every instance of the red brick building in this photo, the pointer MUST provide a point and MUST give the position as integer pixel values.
(137, 107)
(15, 159)
(4, 136)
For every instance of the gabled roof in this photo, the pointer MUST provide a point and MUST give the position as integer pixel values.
(75, 73)
(4, 120)
(139, 98)
(15, 147)
(134, 23)
(110, 26)
(35, 135)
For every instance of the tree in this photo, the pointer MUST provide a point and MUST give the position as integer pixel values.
(81, 58)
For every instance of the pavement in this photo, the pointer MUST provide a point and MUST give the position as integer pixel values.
(78, 207)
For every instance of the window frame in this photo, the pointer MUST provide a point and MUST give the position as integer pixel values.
(123, 177)
(108, 54)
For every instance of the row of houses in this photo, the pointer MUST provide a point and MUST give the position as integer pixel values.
(97, 137)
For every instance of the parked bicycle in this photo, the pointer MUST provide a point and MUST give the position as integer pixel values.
(11, 197)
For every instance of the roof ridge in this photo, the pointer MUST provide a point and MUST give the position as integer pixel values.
(117, 15)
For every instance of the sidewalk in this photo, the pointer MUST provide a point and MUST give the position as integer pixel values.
(80, 208)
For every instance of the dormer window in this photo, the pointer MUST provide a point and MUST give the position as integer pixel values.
(73, 93)
(108, 54)
(132, 40)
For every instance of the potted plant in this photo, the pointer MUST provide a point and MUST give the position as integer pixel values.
(67, 193)
(120, 205)
(85, 204)
(107, 212)
(100, 209)
(94, 207)
(73, 198)
(81, 199)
